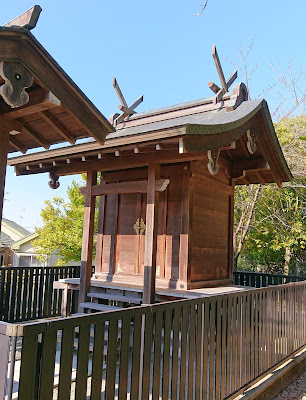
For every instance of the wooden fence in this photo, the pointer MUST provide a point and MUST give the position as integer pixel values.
(258, 279)
(205, 348)
(26, 293)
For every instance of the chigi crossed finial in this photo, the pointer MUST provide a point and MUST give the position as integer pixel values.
(127, 111)
(220, 92)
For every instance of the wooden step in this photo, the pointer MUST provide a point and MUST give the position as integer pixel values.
(115, 297)
(98, 307)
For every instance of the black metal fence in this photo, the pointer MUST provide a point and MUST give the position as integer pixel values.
(258, 279)
(26, 293)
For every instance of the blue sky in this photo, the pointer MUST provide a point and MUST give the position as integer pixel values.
(156, 48)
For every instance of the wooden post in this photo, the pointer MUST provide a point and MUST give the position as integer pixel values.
(151, 236)
(4, 142)
(87, 243)
(99, 245)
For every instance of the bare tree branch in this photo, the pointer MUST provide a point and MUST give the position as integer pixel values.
(203, 7)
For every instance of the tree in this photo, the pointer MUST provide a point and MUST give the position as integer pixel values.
(62, 227)
(277, 233)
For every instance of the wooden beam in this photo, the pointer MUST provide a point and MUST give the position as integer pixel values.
(260, 178)
(10, 125)
(125, 162)
(39, 100)
(87, 241)
(212, 86)
(219, 68)
(149, 274)
(119, 93)
(18, 146)
(48, 117)
(36, 136)
(126, 110)
(4, 140)
(27, 20)
(240, 167)
(126, 187)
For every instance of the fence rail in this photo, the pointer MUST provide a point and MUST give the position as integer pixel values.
(258, 279)
(205, 348)
(26, 293)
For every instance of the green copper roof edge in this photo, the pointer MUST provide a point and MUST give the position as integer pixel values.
(193, 129)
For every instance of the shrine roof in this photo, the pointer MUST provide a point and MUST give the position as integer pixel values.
(56, 109)
(196, 126)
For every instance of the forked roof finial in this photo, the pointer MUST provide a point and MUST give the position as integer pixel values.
(127, 111)
(220, 92)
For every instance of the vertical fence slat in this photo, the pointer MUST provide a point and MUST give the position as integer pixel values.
(175, 353)
(28, 368)
(97, 362)
(47, 364)
(124, 358)
(112, 344)
(191, 349)
(147, 355)
(136, 357)
(212, 344)
(182, 395)
(218, 348)
(67, 347)
(157, 353)
(199, 352)
(82, 362)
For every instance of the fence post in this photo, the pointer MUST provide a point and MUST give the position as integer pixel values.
(4, 359)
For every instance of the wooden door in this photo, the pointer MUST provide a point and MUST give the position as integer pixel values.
(130, 234)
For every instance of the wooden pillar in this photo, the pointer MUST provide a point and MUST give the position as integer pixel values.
(151, 235)
(231, 232)
(4, 142)
(99, 245)
(87, 242)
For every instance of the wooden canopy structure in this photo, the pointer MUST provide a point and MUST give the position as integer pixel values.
(167, 189)
(39, 104)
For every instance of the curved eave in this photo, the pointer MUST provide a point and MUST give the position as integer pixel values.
(231, 126)
(18, 44)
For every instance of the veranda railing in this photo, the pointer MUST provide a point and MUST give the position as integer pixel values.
(27, 293)
(260, 279)
(205, 348)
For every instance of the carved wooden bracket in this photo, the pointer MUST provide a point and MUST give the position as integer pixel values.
(251, 143)
(53, 183)
(17, 78)
(212, 164)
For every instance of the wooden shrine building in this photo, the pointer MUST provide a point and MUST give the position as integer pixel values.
(166, 197)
